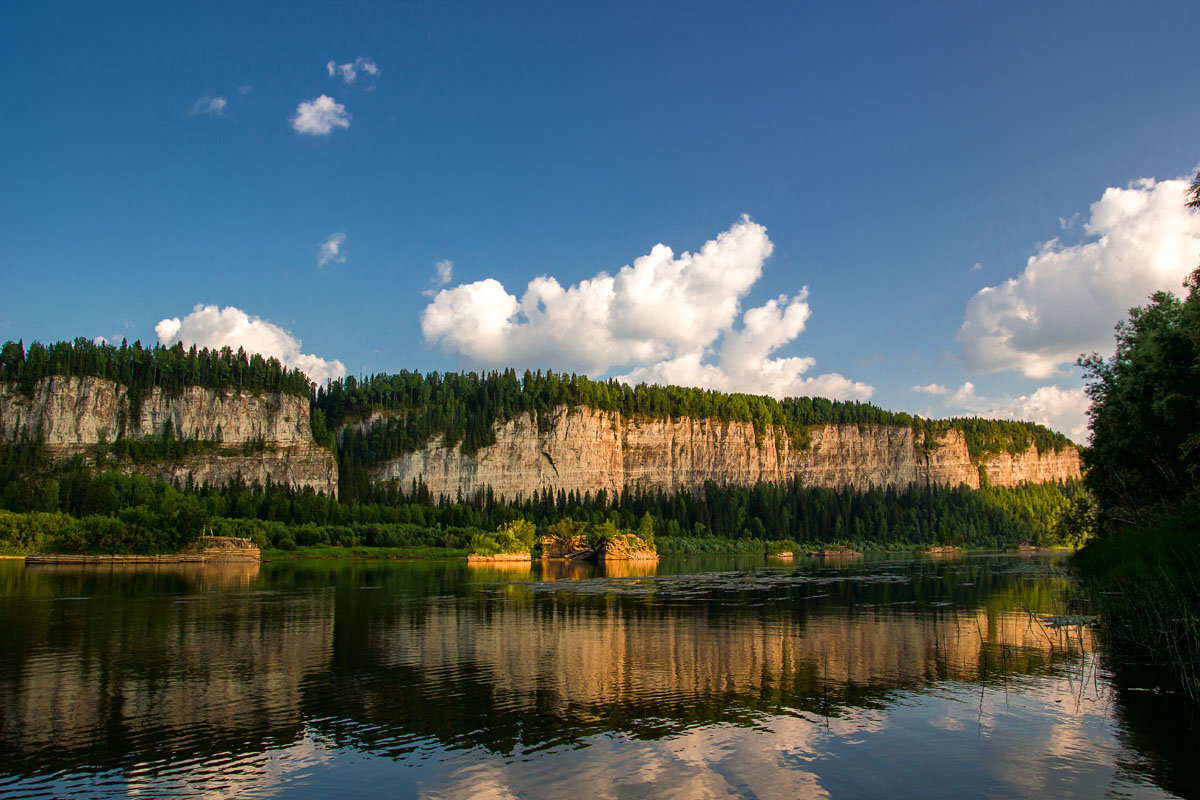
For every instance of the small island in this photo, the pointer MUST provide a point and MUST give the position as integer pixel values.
(570, 540)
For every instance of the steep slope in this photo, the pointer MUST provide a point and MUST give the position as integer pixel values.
(259, 436)
(584, 450)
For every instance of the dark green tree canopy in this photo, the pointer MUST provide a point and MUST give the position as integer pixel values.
(138, 367)
(1145, 414)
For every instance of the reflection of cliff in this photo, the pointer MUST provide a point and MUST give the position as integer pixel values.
(544, 669)
(200, 576)
(641, 657)
(584, 450)
(134, 666)
(128, 668)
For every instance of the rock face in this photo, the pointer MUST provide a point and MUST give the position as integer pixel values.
(585, 450)
(72, 415)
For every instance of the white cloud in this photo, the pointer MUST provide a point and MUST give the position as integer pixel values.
(931, 388)
(443, 272)
(965, 396)
(976, 267)
(330, 250)
(208, 326)
(349, 72)
(1140, 239)
(1062, 410)
(318, 117)
(245, 89)
(667, 319)
(211, 106)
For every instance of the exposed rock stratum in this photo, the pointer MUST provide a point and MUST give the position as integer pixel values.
(72, 415)
(584, 450)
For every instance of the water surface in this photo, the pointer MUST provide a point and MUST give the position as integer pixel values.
(705, 677)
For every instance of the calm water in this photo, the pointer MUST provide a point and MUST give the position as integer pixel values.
(698, 678)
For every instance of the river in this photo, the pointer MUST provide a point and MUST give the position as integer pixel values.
(700, 677)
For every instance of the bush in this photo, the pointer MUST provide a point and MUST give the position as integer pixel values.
(511, 537)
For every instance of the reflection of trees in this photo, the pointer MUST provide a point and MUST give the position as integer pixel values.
(1159, 730)
(388, 657)
(507, 669)
(136, 666)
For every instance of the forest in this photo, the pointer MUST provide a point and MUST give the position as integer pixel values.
(140, 368)
(160, 516)
(463, 407)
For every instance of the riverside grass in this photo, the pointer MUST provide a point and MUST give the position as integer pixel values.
(366, 553)
(1145, 582)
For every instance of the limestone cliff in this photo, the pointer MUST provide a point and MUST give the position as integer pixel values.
(585, 450)
(72, 415)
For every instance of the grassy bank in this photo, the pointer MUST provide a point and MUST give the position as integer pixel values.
(333, 551)
(1145, 583)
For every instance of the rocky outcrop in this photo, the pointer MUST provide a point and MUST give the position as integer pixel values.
(584, 450)
(73, 415)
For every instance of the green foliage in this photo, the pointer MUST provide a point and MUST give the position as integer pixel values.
(1144, 460)
(1146, 584)
(21, 534)
(694, 545)
(391, 517)
(337, 551)
(600, 535)
(141, 368)
(511, 537)
(565, 531)
(645, 530)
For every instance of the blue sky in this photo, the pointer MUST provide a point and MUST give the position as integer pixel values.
(900, 157)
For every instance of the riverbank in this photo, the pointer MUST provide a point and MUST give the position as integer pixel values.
(1145, 583)
(367, 553)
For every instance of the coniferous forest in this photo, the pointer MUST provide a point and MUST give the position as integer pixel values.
(114, 511)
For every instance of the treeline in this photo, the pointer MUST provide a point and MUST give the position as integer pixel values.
(141, 368)
(463, 407)
(915, 515)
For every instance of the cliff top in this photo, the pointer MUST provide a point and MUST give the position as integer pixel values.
(140, 368)
(464, 407)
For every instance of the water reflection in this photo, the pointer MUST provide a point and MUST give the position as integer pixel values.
(696, 678)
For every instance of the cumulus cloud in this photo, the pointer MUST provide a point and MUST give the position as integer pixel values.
(931, 388)
(210, 106)
(211, 327)
(666, 318)
(1140, 239)
(245, 89)
(330, 250)
(1060, 409)
(349, 72)
(318, 117)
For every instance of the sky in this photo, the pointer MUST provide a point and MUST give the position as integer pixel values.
(934, 206)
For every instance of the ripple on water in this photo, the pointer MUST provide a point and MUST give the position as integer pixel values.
(423, 680)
